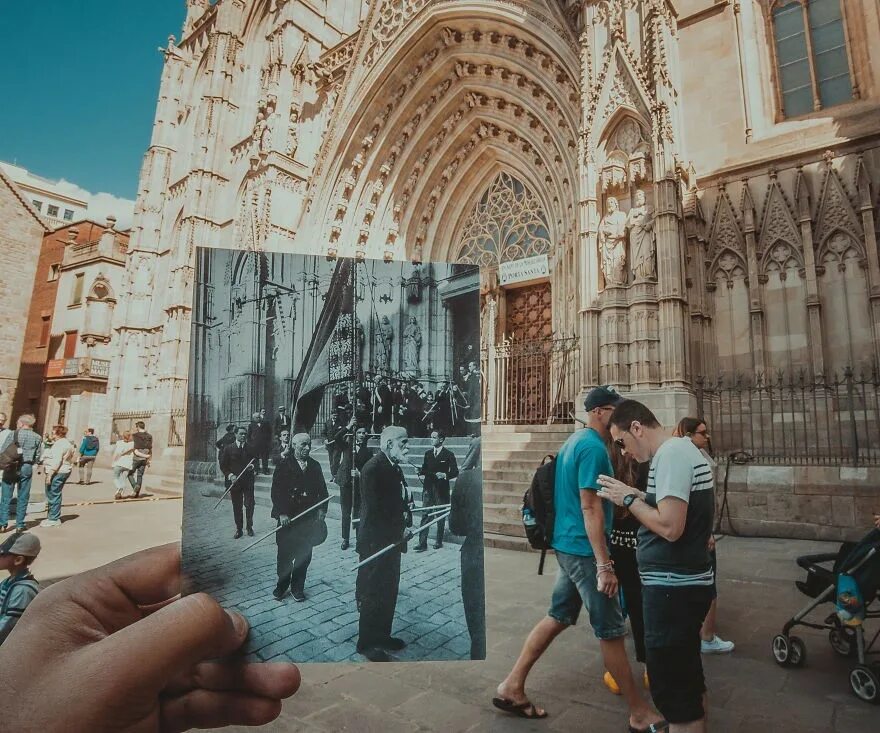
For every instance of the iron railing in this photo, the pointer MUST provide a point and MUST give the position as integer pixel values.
(793, 418)
(532, 382)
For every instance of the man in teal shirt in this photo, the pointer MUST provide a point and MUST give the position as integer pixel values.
(586, 574)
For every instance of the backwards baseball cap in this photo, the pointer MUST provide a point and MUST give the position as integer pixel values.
(601, 397)
(23, 543)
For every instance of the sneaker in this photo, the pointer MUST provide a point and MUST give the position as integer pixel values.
(716, 646)
(298, 596)
(50, 523)
(394, 644)
(611, 683)
(279, 593)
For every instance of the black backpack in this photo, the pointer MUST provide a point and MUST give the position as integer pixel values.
(538, 510)
(10, 457)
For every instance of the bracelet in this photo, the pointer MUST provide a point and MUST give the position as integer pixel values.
(605, 567)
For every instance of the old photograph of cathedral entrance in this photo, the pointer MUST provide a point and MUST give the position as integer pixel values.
(333, 490)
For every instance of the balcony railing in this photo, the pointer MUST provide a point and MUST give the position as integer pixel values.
(78, 254)
(84, 367)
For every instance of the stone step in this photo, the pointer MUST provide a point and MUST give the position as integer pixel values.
(505, 542)
(502, 513)
(553, 428)
(504, 527)
(491, 498)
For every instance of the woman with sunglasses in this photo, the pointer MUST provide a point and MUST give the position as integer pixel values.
(695, 429)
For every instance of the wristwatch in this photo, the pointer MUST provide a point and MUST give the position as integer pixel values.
(629, 499)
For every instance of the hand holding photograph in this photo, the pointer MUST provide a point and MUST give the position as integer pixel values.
(373, 450)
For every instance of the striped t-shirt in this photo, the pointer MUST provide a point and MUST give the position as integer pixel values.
(679, 470)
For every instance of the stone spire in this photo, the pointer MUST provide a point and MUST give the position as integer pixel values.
(195, 9)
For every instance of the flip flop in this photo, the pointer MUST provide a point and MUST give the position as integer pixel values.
(661, 726)
(523, 710)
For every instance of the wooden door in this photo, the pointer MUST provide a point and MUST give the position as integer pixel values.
(529, 328)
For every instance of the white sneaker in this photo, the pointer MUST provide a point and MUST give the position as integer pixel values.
(50, 523)
(716, 646)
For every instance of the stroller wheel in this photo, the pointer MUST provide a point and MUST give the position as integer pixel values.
(842, 641)
(865, 683)
(789, 651)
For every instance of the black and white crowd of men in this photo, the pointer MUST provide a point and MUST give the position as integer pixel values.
(367, 442)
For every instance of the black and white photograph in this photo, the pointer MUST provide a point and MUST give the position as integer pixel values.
(333, 490)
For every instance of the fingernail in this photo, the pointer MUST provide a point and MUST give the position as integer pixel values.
(239, 622)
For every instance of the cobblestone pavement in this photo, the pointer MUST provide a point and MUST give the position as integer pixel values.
(748, 692)
(429, 614)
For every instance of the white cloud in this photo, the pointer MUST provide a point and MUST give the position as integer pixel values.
(101, 205)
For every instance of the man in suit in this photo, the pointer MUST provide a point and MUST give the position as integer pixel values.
(348, 477)
(282, 421)
(415, 411)
(297, 485)
(474, 393)
(259, 440)
(384, 518)
(383, 404)
(234, 458)
(439, 467)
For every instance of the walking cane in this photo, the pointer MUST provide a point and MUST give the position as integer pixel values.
(282, 526)
(233, 483)
(439, 509)
(392, 546)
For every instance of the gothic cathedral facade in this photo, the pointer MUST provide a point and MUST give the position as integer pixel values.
(700, 177)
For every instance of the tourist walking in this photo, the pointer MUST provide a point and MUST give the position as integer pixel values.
(586, 574)
(58, 463)
(676, 513)
(19, 473)
(88, 452)
(123, 455)
(710, 643)
(143, 451)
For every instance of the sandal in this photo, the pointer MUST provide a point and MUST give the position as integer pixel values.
(523, 710)
(661, 726)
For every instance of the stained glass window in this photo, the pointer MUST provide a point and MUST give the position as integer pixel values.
(508, 223)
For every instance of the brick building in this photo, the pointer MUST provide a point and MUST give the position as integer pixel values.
(21, 232)
(59, 366)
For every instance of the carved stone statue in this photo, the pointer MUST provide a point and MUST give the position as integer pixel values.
(640, 225)
(412, 347)
(612, 244)
(384, 339)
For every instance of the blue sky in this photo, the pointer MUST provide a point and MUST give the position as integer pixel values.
(80, 80)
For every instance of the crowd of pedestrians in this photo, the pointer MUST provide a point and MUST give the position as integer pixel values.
(634, 510)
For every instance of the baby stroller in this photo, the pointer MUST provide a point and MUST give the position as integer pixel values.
(849, 578)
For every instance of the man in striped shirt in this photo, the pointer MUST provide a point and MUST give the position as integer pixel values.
(676, 514)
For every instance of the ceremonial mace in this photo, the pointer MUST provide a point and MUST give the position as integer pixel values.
(282, 526)
(233, 483)
(395, 544)
(439, 508)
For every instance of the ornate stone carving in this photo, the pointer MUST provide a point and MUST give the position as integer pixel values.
(778, 223)
(836, 211)
(612, 244)
(642, 248)
(412, 347)
(384, 342)
(508, 223)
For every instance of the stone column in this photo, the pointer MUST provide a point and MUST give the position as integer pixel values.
(756, 305)
(814, 306)
(674, 371)
(491, 377)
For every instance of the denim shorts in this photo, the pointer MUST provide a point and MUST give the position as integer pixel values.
(576, 587)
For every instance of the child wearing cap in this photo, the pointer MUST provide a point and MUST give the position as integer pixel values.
(20, 588)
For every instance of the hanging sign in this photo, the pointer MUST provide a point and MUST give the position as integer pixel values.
(528, 268)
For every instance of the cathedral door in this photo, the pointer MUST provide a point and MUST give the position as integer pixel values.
(529, 329)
